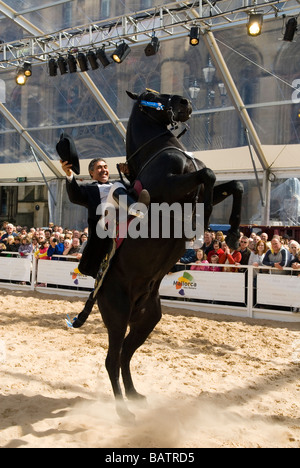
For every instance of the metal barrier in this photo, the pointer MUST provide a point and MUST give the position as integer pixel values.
(262, 292)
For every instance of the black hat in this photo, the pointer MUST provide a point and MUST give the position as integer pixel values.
(67, 151)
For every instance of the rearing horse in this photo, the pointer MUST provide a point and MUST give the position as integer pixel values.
(129, 294)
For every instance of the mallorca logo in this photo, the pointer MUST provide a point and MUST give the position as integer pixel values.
(74, 276)
(186, 281)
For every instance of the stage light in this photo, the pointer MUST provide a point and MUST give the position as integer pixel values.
(153, 46)
(92, 58)
(254, 25)
(72, 64)
(21, 78)
(194, 35)
(290, 29)
(82, 60)
(52, 64)
(62, 65)
(27, 69)
(101, 55)
(121, 52)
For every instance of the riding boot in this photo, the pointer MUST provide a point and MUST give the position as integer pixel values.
(131, 205)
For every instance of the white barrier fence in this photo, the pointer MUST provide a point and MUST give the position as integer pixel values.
(252, 292)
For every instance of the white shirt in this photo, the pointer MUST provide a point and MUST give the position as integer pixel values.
(103, 188)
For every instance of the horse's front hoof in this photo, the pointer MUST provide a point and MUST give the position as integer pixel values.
(124, 414)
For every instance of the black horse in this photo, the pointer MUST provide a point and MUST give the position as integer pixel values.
(129, 293)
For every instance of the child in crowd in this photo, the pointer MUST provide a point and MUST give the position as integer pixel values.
(200, 261)
(42, 252)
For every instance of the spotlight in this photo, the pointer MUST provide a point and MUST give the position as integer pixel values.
(254, 25)
(290, 29)
(27, 69)
(92, 58)
(21, 78)
(194, 35)
(62, 65)
(82, 60)
(72, 64)
(121, 52)
(52, 64)
(101, 55)
(153, 46)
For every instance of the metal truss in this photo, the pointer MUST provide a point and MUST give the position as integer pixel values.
(167, 22)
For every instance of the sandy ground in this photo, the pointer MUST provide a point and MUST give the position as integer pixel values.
(210, 381)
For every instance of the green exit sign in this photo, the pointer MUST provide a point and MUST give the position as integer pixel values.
(21, 179)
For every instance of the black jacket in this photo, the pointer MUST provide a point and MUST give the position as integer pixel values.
(88, 195)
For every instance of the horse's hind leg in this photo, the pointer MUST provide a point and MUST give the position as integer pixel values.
(140, 329)
(221, 192)
(116, 324)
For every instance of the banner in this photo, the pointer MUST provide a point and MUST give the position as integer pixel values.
(15, 269)
(208, 285)
(280, 290)
(62, 273)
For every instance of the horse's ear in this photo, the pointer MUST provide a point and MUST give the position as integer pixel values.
(133, 96)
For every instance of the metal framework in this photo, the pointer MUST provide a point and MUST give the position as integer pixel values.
(169, 21)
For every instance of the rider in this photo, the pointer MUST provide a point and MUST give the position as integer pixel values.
(91, 196)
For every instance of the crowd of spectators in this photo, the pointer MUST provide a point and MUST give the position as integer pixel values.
(50, 243)
(257, 250)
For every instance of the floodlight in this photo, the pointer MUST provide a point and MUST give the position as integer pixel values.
(27, 69)
(101, 55)
(194, 35)
(92, 58)
(82, 60)
(72, 64)
(20, 77)
(121, 52)
(254, 25)
(52, 64)
(290, 29)
(62, 65)
(153, 46)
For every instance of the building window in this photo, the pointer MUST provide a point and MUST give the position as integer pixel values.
(105, 9)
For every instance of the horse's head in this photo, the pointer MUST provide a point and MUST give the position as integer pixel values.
(164, 108)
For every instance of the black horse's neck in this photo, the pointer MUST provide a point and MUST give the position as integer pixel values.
(145, 136)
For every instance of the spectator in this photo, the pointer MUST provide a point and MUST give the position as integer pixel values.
(9, 232)
(277, 257)
(67, 246)
(189, 255)
(83, 238)
(264, 236)
(55, 248)
(295, 264)
(257, 256)
(2, 248)
(244, 250)
(200, 261)
(25, 249)
(11, 245)
(220, 236)
(215, 260)
(232, 257)
(293, 249)
(216, 251)
(208, 243)
(42, 252)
